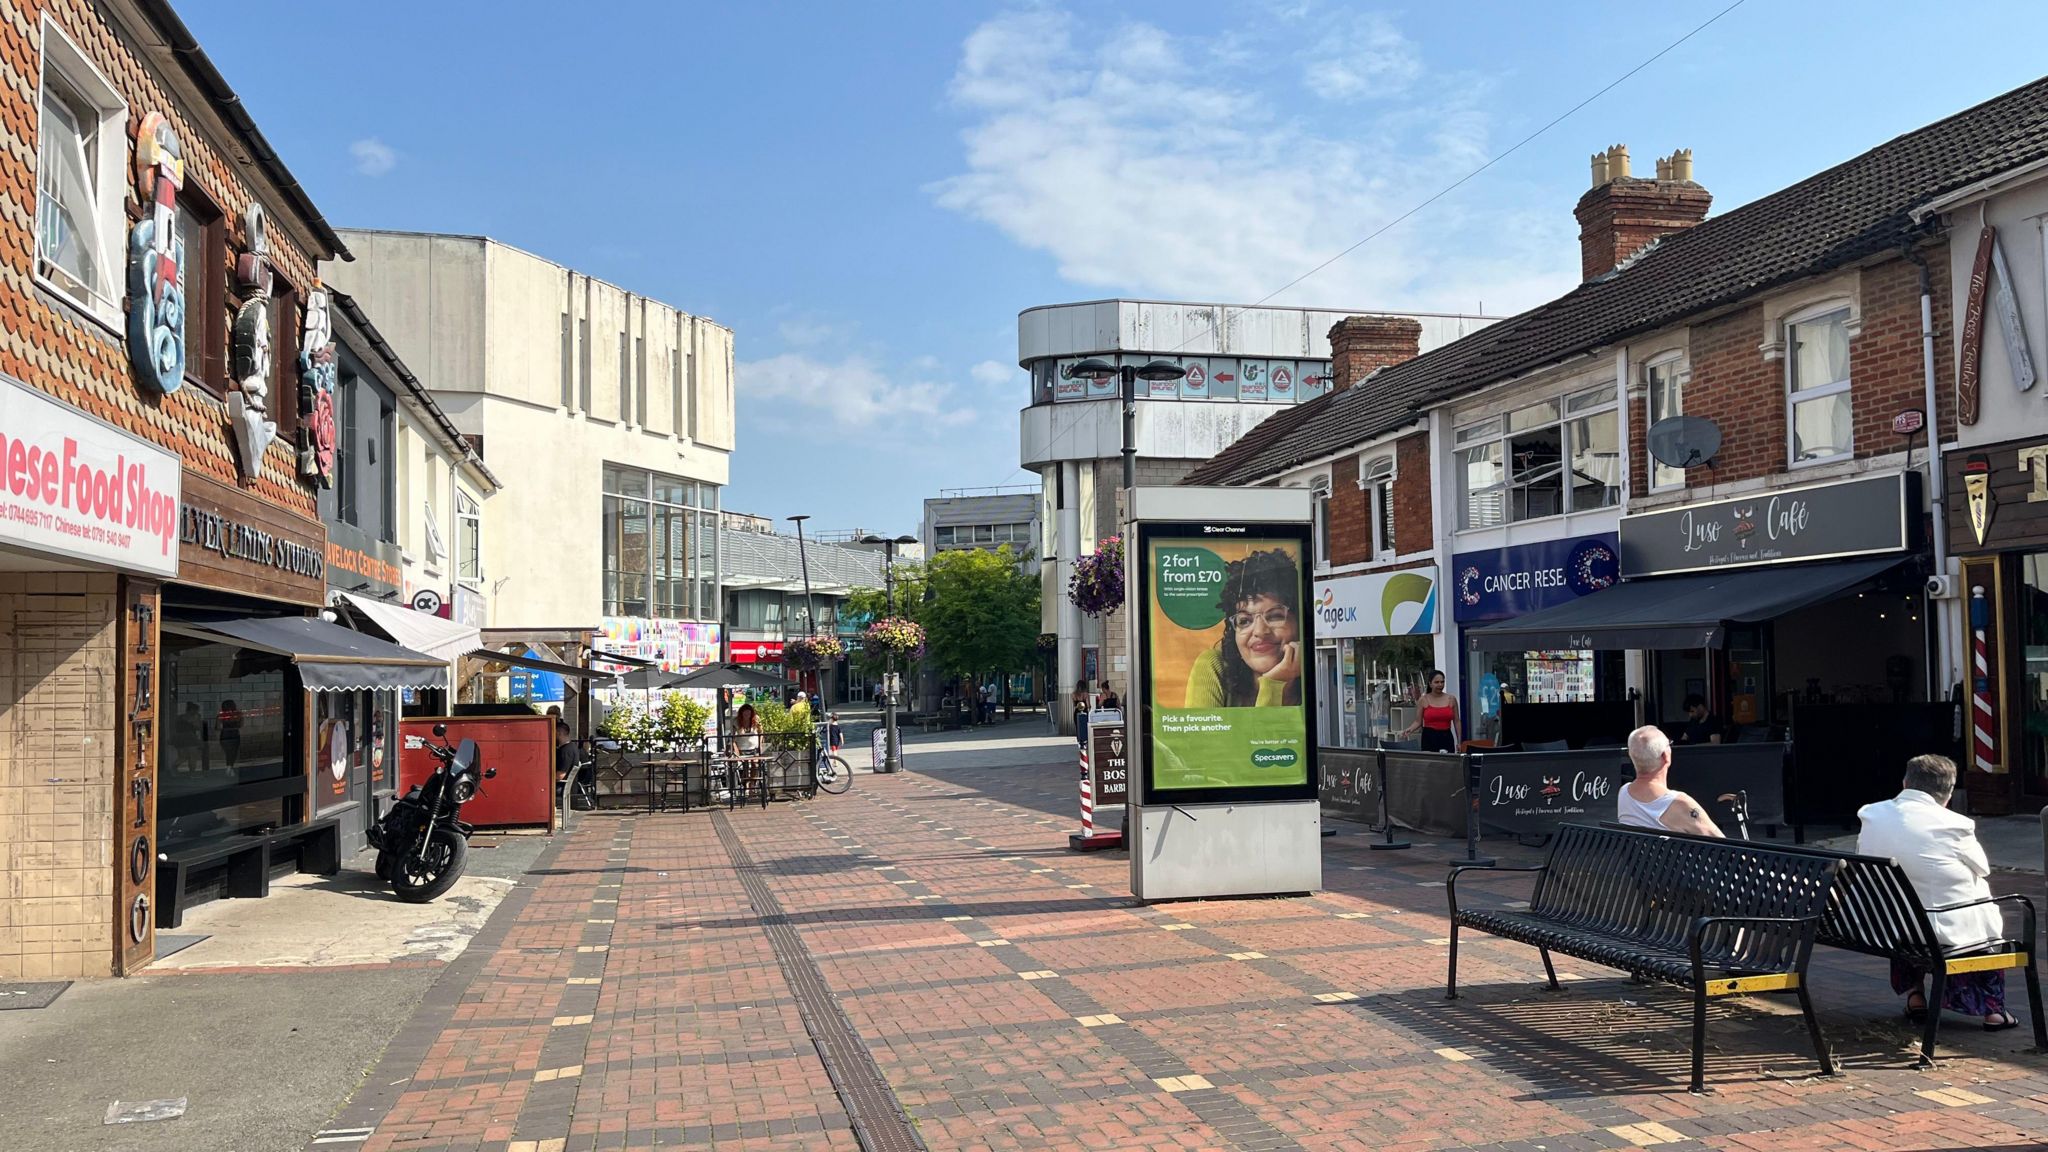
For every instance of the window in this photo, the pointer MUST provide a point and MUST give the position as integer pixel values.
(640, 376)
(381, 452)
(583, 361)
(676, 412)
(345, 503)
(625, 381)
(81, 169)
(568, 363)
(206, 310)
(1817, 387)
(1376, 476)
(659, 533)
(1562, 455)
(1320, 493)
(283, 401)
(1666, 387)
(469, 538)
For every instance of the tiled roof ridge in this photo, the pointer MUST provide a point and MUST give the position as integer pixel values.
(1659, 284)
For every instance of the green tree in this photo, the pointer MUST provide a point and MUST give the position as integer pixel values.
(981, 614)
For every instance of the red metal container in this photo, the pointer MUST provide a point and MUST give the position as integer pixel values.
(521, 748)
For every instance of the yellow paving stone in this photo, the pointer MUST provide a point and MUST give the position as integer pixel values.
(1952, 1097)
(1041, 974)
(1247, 955)
(957, 919)
(1336, 997)
(1354, 915)
(1182, 1083)
(1647, 1134)
(585, 980)
(1098, 1021)
(547, 1074)
(566, 1021)
(594, 948)
(1176, 927)
(1452, 1054)
(989, 943)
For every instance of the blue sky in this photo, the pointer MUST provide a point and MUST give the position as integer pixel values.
(869, 193)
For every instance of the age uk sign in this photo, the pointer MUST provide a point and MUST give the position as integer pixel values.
(73, 487)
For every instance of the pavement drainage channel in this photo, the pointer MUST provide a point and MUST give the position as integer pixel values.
(879, 1122)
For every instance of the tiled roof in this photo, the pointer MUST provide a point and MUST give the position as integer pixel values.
(1848, 213)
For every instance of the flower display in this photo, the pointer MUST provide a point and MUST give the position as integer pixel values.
(1097, 587)
(893, 635)
(813, 651)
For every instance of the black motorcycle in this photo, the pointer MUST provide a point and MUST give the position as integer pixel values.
(421, 841)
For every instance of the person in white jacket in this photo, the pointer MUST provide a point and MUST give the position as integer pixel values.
(1941, 856)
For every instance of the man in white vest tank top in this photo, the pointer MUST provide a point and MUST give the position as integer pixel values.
(1648, 801)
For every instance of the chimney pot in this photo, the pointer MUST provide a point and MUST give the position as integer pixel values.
(1599, 169)
(1617, 162)
(1622, 215)
(1362, 345)
(1681, 165)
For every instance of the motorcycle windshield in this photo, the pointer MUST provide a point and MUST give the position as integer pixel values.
(466, 757)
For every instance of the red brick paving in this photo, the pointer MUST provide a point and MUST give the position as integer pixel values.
(694, 1038)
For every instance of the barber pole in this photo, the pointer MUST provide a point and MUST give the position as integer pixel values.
(1087, 799)
(1984, 720)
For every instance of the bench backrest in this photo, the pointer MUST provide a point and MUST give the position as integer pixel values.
(1872, 908)
(1653, 886)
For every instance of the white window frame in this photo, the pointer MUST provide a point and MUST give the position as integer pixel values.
(469, 527)
(1681, 375)
(1577, 404)
(109, 166)
(1836, 388)
(1376, 477)
(1319, 494)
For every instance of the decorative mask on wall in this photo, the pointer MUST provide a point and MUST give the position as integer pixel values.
(248, 408)
(252, 268)
(156, 260)
(316, 391)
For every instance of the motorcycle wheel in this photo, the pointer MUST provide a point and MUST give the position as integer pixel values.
(437, 873)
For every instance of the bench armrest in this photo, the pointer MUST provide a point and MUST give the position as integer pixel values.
(2026, 912)
(1459, 866)
(1703, 924)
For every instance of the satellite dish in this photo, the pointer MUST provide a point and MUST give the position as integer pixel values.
(1684, 441)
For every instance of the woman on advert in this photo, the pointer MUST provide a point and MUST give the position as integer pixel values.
(1436, 717)
(1257, 661)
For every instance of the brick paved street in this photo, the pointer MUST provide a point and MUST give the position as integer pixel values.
(1012, 996)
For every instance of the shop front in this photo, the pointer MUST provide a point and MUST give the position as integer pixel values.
(1497, 585)
(1376, 641)
(1998, 527)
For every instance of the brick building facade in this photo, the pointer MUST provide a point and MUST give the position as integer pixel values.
(117, 125)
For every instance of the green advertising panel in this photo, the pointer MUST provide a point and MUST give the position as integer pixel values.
(1227, 661)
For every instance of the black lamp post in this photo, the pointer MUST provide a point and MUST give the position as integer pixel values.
(804, 562)
(1096, 368)
(892, 752)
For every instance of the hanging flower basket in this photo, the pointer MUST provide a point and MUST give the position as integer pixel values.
(893, 635)
(1097, 587)
(815, 651)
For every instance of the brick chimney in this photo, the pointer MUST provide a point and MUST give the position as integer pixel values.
(1361, 345)
(1621, 214)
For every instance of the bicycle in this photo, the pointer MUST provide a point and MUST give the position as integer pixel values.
(831, 771)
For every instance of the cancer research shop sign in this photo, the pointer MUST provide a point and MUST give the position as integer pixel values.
(1377, 604)
(74, 487)
(1502, 583)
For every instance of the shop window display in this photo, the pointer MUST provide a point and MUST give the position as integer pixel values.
(1495, 679)
(1382, 680)
(2032, 701)
(227, 715)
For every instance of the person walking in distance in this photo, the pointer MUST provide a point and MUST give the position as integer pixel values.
(229, 721)
(1436, 716)
(1649, 801)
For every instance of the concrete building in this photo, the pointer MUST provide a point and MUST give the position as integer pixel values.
(985, 518)
(1243, 365)
(615, 413)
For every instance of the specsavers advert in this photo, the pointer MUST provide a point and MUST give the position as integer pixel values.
(1227, 662)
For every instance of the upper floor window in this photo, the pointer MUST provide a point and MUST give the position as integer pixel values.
(1321, 495)
(1665, 381)
(80, 178)
(1376, 476)
(1562, 455)
(469, 538)
(1817, 409)
(658, 539)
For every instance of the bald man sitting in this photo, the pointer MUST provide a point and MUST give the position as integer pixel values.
(1648, 801)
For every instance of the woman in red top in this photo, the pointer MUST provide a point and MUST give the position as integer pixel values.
(1438, 721)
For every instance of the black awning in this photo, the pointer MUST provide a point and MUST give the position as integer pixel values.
(1675, 611)
(536, 664)
(330, 658)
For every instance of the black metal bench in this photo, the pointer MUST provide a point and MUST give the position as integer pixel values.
(248, 858)
(1718, 917)
(1874, 909)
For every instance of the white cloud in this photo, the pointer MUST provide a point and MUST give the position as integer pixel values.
(795, 391)
(373, 156)
(1361, 56)
(1139, 165)
(994, 374)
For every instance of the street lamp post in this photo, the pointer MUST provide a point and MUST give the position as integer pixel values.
(1096, 368)
(892, 751)
(804, 562)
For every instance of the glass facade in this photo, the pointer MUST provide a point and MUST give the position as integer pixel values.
(660, 545)
(231, 726)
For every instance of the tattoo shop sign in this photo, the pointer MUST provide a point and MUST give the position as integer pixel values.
(1861, 517)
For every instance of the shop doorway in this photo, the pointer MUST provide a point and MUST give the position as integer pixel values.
(1326, 696)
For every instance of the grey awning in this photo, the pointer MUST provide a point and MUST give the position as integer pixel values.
(1675, 611)
(330, 658)
(534, 663)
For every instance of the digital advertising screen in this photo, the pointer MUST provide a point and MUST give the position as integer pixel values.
(1226, 658)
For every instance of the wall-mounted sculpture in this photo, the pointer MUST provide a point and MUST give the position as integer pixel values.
(156, 260)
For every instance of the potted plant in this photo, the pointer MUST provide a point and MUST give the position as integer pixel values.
(893, 636)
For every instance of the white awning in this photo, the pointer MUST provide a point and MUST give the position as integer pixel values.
(418, 631)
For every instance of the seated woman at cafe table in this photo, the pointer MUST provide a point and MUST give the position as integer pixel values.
(1649, 801)
(1940, 853)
